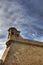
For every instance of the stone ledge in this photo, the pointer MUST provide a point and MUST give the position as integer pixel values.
(5, 55)
(26, 42)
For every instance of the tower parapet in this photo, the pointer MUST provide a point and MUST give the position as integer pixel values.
(13, 33)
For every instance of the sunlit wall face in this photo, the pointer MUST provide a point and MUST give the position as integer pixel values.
(25, 15)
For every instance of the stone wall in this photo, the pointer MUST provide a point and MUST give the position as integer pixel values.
(23, 54)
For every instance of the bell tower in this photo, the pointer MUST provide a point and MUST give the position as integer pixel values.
(13, 33)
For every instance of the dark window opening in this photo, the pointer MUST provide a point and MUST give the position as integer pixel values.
(12, 33)
(17, 35)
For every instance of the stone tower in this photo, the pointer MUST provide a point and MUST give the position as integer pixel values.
(13, 33)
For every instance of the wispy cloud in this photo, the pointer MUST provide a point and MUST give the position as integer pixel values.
(25, 15)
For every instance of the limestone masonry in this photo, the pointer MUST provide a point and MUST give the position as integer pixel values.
(20, 51)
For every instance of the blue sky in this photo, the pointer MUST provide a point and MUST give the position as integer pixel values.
(25, 15)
